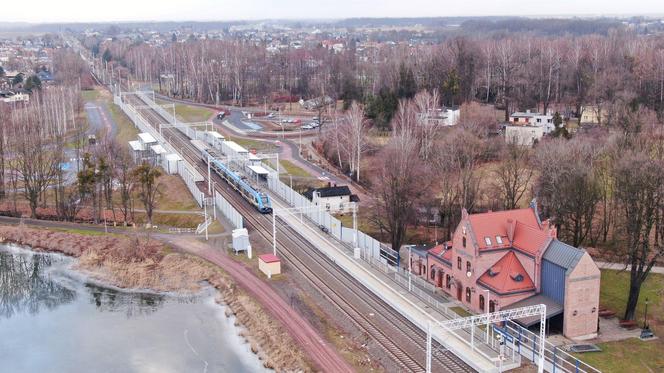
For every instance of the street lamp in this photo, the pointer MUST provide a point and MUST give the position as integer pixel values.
(645, 316)
(646, 332)
(486, 304)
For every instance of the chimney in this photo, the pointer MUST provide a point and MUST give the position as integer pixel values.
(510, 229)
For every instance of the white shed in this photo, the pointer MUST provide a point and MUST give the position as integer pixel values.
(146, 139)
(214, 138)
(170, 163)
(240, 240)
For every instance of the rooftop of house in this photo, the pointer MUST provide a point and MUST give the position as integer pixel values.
(442, 251)
(494, 224)
(507, 276)
(563, 255)
(329, 191)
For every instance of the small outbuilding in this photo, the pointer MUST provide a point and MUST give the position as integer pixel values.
(269, 264)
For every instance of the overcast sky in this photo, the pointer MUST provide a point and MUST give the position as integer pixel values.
(178, 10)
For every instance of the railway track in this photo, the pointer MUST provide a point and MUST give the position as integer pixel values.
(403, 342)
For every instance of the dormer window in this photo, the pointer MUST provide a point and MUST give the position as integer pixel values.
(487, 241)
(499, 240)
(517, 277)
(493, 272)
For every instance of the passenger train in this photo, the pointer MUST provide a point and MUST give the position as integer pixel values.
(260, 200)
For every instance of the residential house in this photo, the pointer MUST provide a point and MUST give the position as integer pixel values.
(14, 97)
(447, 116)
(333, 198)
(508, 259)
(529, 118)
(592, 115)
(523, 135)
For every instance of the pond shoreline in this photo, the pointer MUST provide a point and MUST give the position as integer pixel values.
(135, 264)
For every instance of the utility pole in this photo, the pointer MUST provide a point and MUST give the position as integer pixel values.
(428, 367)
(488, 294)
(274, 232)
(209, 175)
(206, 217)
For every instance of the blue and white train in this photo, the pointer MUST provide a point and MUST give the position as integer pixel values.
(260, 200)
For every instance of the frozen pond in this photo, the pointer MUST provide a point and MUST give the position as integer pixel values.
(53, 321)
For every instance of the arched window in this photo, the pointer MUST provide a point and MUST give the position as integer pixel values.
(492, 306)
(482, 302)
(433, 273)
(463, 241)
(448, 282)
(468, 295)
(468, 266)
(459, 262)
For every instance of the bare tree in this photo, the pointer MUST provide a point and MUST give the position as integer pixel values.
(639, 192)
(354, 129)
(147, 177)
(513, 175)
(400, 182)
(567, 186)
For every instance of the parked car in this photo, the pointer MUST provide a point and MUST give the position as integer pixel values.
(314, 124)
(297, 121)
(271, 115)
(315, 119)
(307, 127)
(221, 115)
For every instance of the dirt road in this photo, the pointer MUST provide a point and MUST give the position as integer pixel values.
(324, 355)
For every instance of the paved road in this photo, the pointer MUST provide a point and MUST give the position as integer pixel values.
(323, 354)
(288, 147)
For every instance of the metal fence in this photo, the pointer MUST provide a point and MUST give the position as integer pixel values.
(227, 210)
(186, 171)
(325, 220)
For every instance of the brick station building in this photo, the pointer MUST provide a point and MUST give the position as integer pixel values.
(508, 259)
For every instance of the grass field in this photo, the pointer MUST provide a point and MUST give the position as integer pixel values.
(260, 146)
(631, 355)
(188, 113)
(91, 95)
(613, 295)
(175, 195)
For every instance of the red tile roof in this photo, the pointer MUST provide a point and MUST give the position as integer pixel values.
(529, 239)
(440, 252)
(503, 277)
(492, 224)
(268, 258)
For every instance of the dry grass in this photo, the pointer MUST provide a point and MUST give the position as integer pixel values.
(175, 195)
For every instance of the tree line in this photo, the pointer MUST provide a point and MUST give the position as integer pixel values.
(515, 72)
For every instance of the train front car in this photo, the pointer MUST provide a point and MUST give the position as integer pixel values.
(264, 204)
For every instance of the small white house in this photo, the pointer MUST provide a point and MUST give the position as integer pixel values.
(11, 97)
(529, 118)
(335, 199)
(524, 135)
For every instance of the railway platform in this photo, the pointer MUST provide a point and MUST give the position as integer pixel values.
(479, 355)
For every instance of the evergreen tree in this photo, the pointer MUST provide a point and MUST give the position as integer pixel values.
(560, 130)
(407, 84)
